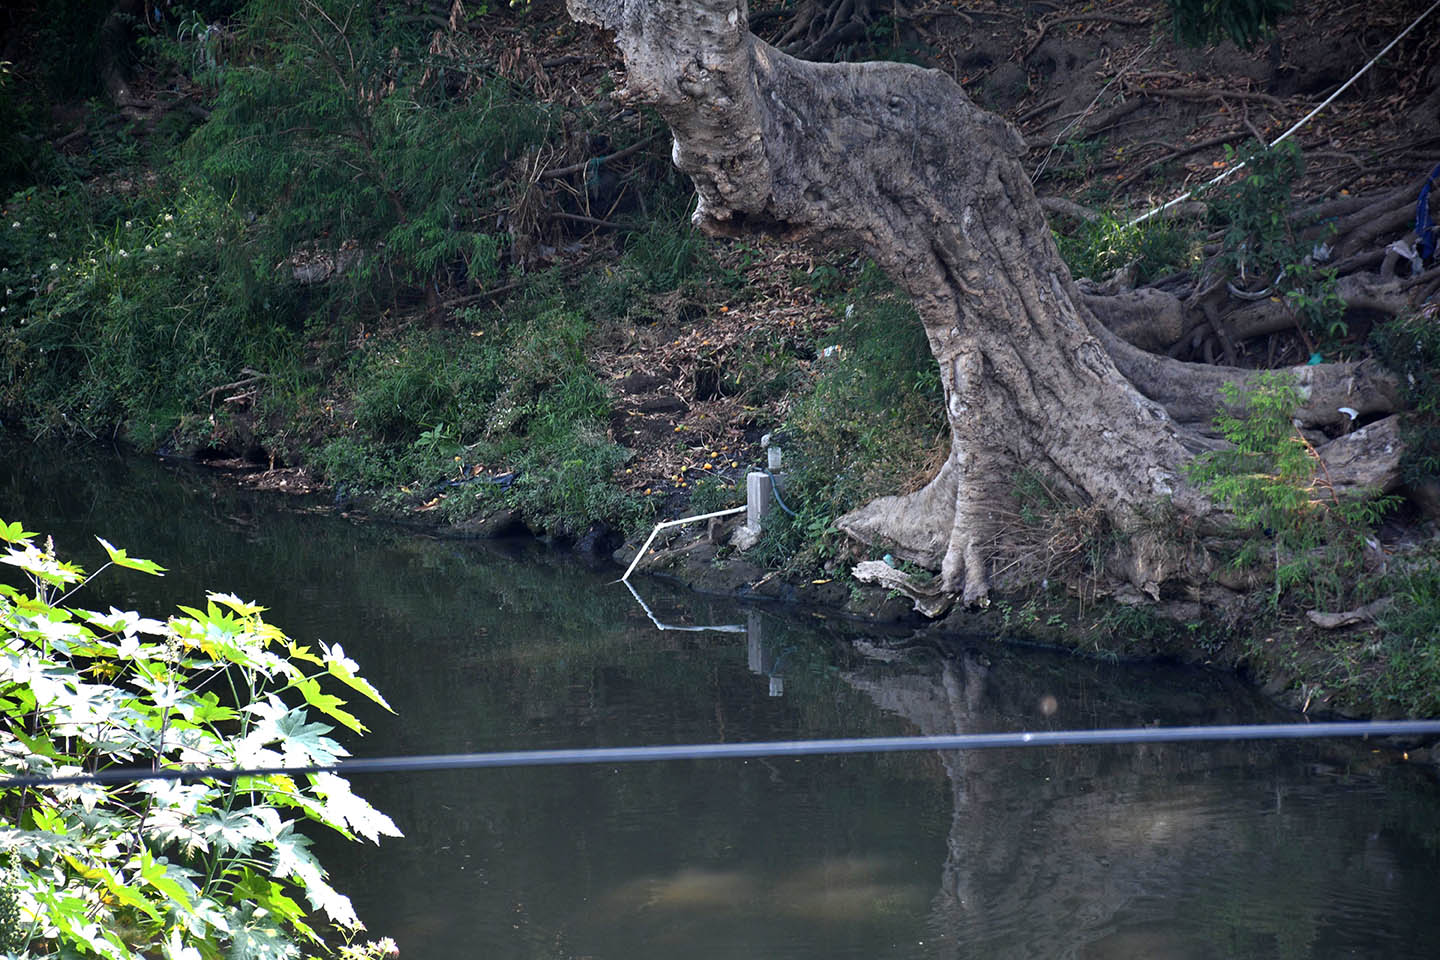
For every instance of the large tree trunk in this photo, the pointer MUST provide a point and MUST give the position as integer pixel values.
(897, 161)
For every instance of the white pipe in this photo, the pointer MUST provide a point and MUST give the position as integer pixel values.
(672, 523)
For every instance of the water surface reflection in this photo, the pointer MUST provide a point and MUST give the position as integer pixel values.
(1304, 850)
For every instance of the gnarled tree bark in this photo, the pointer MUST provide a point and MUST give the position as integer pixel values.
(895, 160)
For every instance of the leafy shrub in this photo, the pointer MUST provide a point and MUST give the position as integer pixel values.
(1156, 247)
(1245, 22)
(1410, 638)
(345, 128)
(149, 868)
(516, 396)
(567, 482)
(137, 322)
(1410, 346)
(1271, 482)
(1262, 246)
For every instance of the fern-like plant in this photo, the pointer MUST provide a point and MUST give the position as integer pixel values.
(1246, 22)
(1275, 486)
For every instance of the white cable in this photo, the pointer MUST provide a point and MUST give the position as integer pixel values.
(1303, 120)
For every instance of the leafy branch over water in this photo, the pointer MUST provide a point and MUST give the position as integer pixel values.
(179, 870)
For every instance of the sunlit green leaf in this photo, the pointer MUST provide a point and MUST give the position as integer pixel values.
(343, 669)
(354, 811)
(121, 559)
(159, 874)
(14, 532)
(242, 607)
(43, 566)
(328, 704)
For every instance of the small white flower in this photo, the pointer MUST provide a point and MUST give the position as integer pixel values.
(148, 248)
(124, 254)
(54, 267)
(168, 218)
(168, 234)
(15, 225)
(127, 224)
(51, 234)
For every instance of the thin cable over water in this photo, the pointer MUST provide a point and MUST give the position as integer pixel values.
(777, 748)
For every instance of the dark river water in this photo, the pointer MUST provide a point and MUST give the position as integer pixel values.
(1284, 850)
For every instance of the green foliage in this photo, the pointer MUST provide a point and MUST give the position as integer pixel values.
(343, 134)
(875, 413)
(1098, 248)
(1410, 639)
(1245, 22)
(133, 325)
(1410, 346)
(665, 270)
(567, 482)
(184, 870)
(438, 412)
(1271, 481)
(1076, 158)
(715, 494)
(344, 141)
(1262, 246)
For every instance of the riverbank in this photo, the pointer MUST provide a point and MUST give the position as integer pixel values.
(1336, 669)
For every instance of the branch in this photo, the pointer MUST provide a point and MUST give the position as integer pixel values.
(577, 167)
(1204, 93)
(1045, 26)
(252, 377)
(1069, 208)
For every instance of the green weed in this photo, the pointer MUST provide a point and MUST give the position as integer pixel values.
(1272, 483)
(1410, 346)
(1410, 639)
(1155, 247)
(1262, 245)
(875, 412)
(1245, 22)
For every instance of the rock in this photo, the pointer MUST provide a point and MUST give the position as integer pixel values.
(1426, 496)
(601, 539)
(1334, 621)
(664, 405)
(639, 382)
(506, 522)
(745, 537)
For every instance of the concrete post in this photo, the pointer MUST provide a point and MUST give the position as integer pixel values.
(757, 499)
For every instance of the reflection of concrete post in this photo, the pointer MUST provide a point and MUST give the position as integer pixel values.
(755, 642)
(757, 657)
